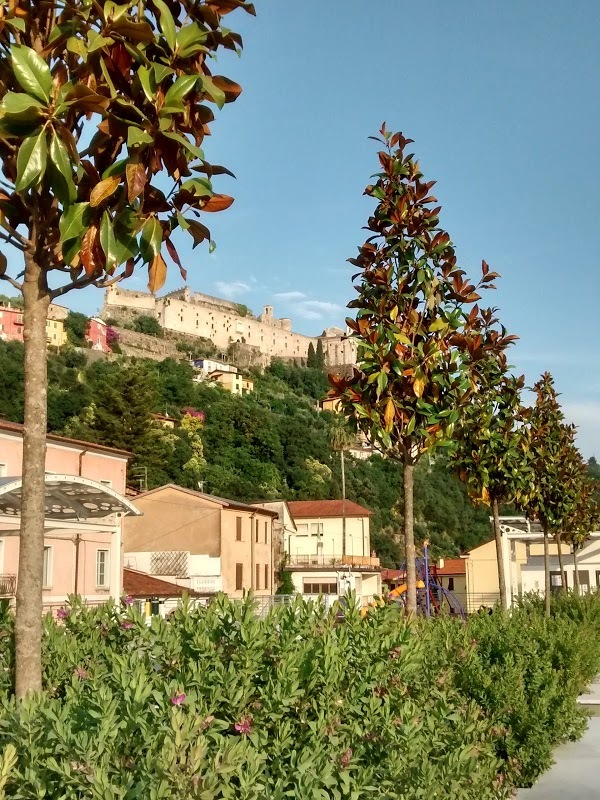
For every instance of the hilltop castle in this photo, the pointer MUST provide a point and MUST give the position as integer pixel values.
(226, 323)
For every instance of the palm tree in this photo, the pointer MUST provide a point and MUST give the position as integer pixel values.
(340, 440)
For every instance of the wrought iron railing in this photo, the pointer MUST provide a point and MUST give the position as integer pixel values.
(8, 585)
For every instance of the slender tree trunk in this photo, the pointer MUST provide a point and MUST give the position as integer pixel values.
(28, 622)
(546, 572)
(499, 554)
(561, 566)
(575, 571)
(343, 465)
(409, 538)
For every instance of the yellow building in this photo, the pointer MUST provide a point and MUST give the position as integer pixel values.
(55, 332)
(233, 382)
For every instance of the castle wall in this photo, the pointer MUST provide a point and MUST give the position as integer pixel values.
(196, 314)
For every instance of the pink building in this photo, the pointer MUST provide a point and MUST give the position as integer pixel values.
(96, 334)
(85, 488)
(11, 324)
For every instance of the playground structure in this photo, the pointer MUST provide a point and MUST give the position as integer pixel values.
(432, 597)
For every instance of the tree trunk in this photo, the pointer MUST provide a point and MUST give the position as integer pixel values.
(28, 621)
(343, 465)
(499, 554)
(409, 538)
(546, 573)
(561, 566)
(575, 571)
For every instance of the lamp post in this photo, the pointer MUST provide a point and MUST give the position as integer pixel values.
(426, 556)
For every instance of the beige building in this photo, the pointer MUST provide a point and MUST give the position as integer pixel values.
(315, 551)
(205, 543)
(225, 323)
(233, 382)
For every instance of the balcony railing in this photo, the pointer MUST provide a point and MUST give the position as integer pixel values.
(8, 585)
(325, 560)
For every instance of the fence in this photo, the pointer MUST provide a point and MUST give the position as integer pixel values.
(325, 560)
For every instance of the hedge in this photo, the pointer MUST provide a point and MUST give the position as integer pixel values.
(219, 703)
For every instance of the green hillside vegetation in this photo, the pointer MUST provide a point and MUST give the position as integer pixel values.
(272, 443)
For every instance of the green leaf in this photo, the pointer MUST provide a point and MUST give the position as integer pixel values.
(147, 82)
(183, 223)
(32, 72)
(61, 163)
(20, 103)
(137, 137)
(126, 243)
(96, 41)
(151, 240)
(213, 91)
(161, 72)
(167, 24)
(72, 223)
(77, 46)
(108, 242)
(190, 40)
(178, 137)
(16, 22)
(31, 161)
(176, 93)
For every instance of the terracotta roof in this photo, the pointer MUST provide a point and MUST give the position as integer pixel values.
(303, 509)
(222, 501)
(141, 585)
(453, 566)
(16, 427)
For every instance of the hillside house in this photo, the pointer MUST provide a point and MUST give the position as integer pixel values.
(85, 503)
(202, 542)
(315, 552)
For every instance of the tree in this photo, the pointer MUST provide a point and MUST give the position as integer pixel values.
(319, 355)
(144, 323)
(341, 439)
(411, 327)
(311, 357)
(14, 302)
(97, 101)
(583, 519)
(557, 469)
(492, 446)
(76, 326)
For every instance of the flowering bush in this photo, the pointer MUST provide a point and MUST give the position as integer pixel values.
(218, 703)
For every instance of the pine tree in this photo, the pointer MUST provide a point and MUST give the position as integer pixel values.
(320, 355)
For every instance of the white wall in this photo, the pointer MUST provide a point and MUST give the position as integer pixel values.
(532, 573)
(305, 541)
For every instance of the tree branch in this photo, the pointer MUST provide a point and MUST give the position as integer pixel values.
(18, 286)
(80, 283)
(10, 241)
(26, 243)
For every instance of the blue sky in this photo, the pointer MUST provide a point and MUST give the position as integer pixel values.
(502, 102)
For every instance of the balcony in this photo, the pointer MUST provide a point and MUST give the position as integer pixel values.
(8, 585)
(337, 562)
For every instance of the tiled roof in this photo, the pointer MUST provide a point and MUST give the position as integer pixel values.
(453, 566)
(213, 498)
(303, 509)
(141, 585)
(16, 427)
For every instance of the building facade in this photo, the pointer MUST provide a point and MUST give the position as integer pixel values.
(205, 543)
(11, 325)
(315, 554)
(226, 323)
(86, 560)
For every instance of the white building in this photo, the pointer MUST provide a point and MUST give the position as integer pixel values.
(315, 552)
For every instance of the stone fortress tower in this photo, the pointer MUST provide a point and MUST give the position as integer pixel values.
(225, 322)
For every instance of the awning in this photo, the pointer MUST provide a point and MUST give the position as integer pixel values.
(68, 497)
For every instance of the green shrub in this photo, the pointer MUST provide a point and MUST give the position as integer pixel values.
(219, 703)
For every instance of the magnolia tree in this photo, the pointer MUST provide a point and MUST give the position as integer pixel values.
(417, 341)
(103, 112)
(492, 447)
(558, 470)
(578, 525)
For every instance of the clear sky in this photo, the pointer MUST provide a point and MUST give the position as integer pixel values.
(502, 102)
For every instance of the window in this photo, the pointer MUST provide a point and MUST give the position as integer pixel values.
(101, 568)
(320, 588)
(266, 535)
(555, 581)
(238, 529)
(256, 530)
(239, 577)
(302, 529)
(257, 577)
(450, 584)
(47, 575)
(316, 529)
(266, 576)
(584, 580)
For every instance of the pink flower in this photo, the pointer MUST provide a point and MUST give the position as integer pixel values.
(178, 699)
(244, 726)
(62, 613)
(81, 673)
(128, 601)
(127, 625)
(346, 756)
